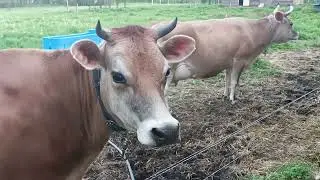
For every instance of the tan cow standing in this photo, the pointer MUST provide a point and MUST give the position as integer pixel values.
(51, 123)
(230, 44)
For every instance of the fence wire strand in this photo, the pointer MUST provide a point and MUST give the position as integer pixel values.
(226, 165)
(125, 158)
(159, 173)
(240, 156)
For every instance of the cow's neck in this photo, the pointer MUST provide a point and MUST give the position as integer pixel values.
(73, 124)
(93, 123)
(263, 30)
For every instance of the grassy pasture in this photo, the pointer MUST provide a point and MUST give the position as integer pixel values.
(293, 170)
(24, 28)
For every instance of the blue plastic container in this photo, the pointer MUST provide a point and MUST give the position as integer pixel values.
(65, 41)
(316, 6)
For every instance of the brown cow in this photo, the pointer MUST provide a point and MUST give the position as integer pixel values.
(230, 44)
(51, 123)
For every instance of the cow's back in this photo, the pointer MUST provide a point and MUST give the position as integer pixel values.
(42, 130)
(218, 41)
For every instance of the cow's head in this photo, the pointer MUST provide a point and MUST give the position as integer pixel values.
(283, 26)
(134, 72)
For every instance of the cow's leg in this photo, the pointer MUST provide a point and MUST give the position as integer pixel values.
(169, 81)
(171, 78)
(227, 86)
(166, 88)
(179, 72)
(235, 75)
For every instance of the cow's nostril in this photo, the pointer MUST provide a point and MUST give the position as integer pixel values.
(159, 134)
(166, 135)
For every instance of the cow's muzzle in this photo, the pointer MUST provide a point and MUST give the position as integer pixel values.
(166, 135)
(159, 132)
(295, 36)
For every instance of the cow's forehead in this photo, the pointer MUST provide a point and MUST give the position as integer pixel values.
(132, 31)
(136, 47)
(272, 16)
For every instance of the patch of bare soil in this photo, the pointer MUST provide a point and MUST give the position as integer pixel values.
(293, 133)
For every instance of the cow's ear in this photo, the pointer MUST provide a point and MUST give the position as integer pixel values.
(178, 48)
(279, 16)
(87, 54)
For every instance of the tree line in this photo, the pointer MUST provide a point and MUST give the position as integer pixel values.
(17, 3)
(100, 3)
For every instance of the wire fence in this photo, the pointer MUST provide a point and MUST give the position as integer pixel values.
(211, 145)
(125, 158)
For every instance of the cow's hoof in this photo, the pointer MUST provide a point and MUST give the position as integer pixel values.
(225, 97)
(233, 102)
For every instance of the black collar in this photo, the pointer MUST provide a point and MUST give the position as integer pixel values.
(110, 121)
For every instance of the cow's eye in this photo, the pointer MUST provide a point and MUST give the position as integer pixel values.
(168, 72)
(118, 77)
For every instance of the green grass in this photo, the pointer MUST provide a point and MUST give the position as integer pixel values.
(292, 171)
(262, 68)
(24, 27)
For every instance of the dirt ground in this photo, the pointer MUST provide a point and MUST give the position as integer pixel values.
(291, 134)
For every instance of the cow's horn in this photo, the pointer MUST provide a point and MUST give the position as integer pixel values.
(102, 33)
(290, 10)
(162, 31)
(277, 8)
